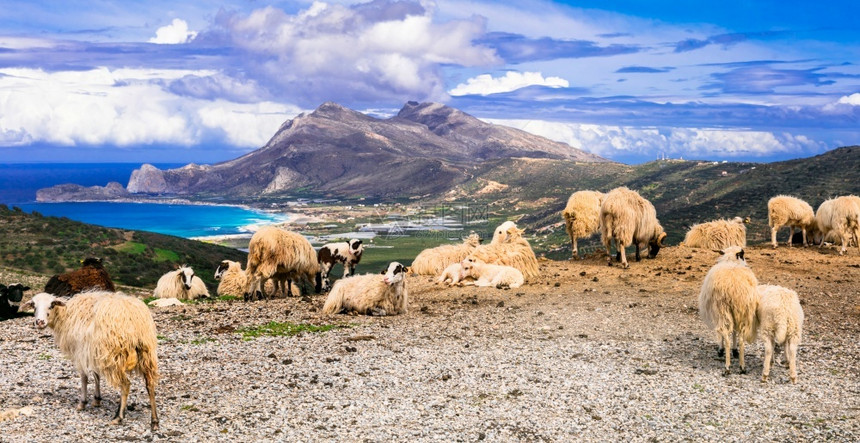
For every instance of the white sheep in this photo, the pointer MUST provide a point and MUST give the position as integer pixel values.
(232, 281)
(513, 250)
(718, 234)
(840, 218)
(181, 284)
(784, 210)
(433, 261)
(370, 294)
(501, 232)
(489, 275)
(780, 322)
(452, 275)
(582, 216)
(274, 251)
(107, 334)
(727, 303)
(628, 218)
(349, 253)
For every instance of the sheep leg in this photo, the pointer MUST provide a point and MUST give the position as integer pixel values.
(741, 344)
(768, 359)
(575, 250)
(638, 257)
(125, 386)
(790, 235)
(803, 231)
(97, 381)
(607, 243)
(773, 236)
(728, 354)
(150, 389)
(377, 312)
(82, 400)
(791, 355)
(622, 249)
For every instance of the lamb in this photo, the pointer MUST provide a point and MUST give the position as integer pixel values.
(582, 216)
(274, 251)
(718, 234)
(11, 293)
(232, 281)
(780, 322)
(839, 217)
(370, 294)
(727, 303)
(784, 210)
(91, 276)
(514, 250)
(497, 276)
(433, 261)
(629, 218)
(453, 275)
(107, 334)
(348, 253)
(181, 284)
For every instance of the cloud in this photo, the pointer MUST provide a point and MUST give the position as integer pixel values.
(485, 84)
(175, 33)
(764, 79)
(853, 99)
(515, 48)
(729, 39)
(642, 69)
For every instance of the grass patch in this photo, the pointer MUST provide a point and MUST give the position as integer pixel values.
(201, 340)
(165, 255)
(44, 357)
(131, 248)
(149, 299)
(278, 329)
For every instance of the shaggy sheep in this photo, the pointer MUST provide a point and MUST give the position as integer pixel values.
(727, 303)
(501, 232)
(840, 218)
(181, 284)
(784, 210)
(629, 218)
(370, 294)
(433, 261)
(514, 250)
(718, 234)
(780, 322)
(582, 216)
(8, 294)
(453, 275)
(497, 276)
(107, 334)
(91, 276)
(232, 281)
(274, 251)
(348, 253)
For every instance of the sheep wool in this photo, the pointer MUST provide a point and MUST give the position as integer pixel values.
(433, 261)
(717, 234)
(628, 218)
(784, 210)
(91, 276)
(452, 275)
(370, 294)
(780, 322)
(181, 284)
(839, 218)
(496, 276)
(582, 216)
(515, 252)
(274, 251)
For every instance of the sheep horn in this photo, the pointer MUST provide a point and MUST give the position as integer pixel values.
(660, 239)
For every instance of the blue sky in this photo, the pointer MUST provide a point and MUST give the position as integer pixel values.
(207, 81)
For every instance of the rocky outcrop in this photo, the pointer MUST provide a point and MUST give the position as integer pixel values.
(72, 192)
(148, 180)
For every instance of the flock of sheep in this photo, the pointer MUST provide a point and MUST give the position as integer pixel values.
(107, 334)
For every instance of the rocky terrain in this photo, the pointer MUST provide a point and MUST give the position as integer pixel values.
(588, 353)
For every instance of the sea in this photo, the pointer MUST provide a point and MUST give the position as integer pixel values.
(19, 183)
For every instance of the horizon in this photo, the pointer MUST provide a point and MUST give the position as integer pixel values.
(203, 82)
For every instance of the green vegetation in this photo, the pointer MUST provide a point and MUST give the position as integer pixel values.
(278, 329)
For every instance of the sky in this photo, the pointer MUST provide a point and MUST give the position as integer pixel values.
(207, 81)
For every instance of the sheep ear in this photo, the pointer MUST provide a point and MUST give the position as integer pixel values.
(27, 306)
(384, 271)
(406, 270)
(740, 255)
(717, 251)
(25, 288)
(57, 303)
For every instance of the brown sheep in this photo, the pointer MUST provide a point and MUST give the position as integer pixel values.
(91, 276)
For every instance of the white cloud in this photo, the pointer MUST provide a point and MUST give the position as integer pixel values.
(175, 33)
(853, 99)
(485, 84)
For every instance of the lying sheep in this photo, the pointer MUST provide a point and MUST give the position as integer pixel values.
(489, 275)
(582, 216)
(232, 281)
(628, 218)
(501, 232)
(784, 210)
(8, 295)
(780, 322)
(453, 275)
(718, 234)
(513, 250)
(727, 303)
(181, 284)
(840, 218)
(433, 261)
(370, 294)
(349, 253)
(91, 276)
(107, 334)
(274, 251)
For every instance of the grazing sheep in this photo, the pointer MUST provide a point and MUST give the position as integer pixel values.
(514, 250)
(107, 334)
(780, 322)
(8, 294)
(582, 216)
(91, 276)
(453, 275)
(497, 276)
(232, 281)
(629, 218)
(433, 261)
(718, 234)
(727, 303)
(181, 284)
(370, 294)
(348, 253)
(784, 210)
(274, 251)
(840, 218)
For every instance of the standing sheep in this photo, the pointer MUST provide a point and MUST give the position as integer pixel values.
(107, 334)
(582, 216)
(727, 303)
(839, 217)
(784, 210)
(348, 253)
(232, 281)
(718, 234)
(629, 218)
(488, 275)
(91, 276)
(181, 284)
(780, 322)
(433, 261)
(514, 250)
(274, 251)
(370, 294)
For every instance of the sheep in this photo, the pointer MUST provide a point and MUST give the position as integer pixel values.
(91, 276)
(453, 275)
(582, 216)
(727, 303)
(780, 322)
(274, 251)
(370, 294)
(718, 234)
(433, 261)
(784, 210)
(513, 250)
(489, 275)
(629, 218)
(8, 294)
(181, 284)
(232, 281)
(106, 334)
(348, 253)
(839, 217)
(500, 234)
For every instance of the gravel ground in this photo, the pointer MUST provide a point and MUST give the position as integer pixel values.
(589, 353)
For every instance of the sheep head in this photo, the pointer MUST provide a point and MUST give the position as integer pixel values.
(355, 246)
(732, 253)
(222, 268)
(394, 273)
(42, 304)
(185, 275)
(655, 244)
